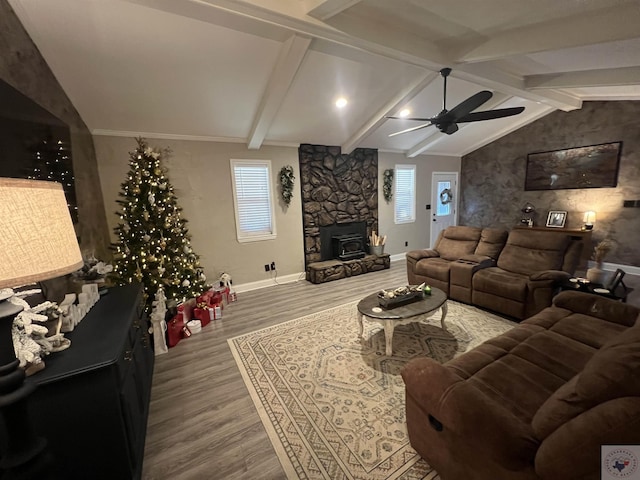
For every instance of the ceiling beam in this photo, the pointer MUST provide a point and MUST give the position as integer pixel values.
(526, 120)
(399, 99)
(605, 77)
(325, 9)
(614, 24)
(289, 60)
(487, 75)
(416, 52)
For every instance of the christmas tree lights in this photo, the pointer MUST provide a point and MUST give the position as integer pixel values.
(154, 245)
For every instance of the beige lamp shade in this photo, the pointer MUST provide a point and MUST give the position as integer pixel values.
(37, 238)
(589, 217)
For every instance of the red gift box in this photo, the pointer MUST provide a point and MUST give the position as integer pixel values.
(211, 298)
(176, 330)
(203, 315)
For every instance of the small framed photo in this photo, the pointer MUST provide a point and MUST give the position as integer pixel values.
(556, 218)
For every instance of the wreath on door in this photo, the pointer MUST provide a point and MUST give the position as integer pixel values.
(446, 196)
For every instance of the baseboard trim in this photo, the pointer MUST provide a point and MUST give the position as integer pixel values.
(612, 267)
(294, 277)
(270, 282)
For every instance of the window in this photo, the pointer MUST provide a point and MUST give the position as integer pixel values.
(252, 200)
(444, 209)
(405, 194)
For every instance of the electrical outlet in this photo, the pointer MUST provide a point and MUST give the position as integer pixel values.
(428, 206)
(406, 244)
(273, 265)
(266, 267)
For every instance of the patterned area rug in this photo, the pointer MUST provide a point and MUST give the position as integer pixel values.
(334, 406)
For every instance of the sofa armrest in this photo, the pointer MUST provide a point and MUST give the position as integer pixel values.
(554, 275)
(573, 451)
(417, 255)
(597, 306)
(457, 409)
(481, 261)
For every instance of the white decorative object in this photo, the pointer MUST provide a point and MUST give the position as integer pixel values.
(158, 323)
(68, 322)
(195, 326)
(91, 289)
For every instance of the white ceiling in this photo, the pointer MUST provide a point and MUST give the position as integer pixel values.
(267, 72)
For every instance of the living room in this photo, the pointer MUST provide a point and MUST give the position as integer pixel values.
(490, 193)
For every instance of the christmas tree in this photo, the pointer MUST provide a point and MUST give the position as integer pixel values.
(52, 162)
(154, 245)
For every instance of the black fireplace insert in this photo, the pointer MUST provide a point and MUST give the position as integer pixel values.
(343, 241)
(348, 247)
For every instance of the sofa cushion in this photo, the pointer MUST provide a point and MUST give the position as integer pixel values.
(458, 241)
(492, 242)
(502, 283)
(609, 374)
(612, 371)
(527, 251)
(437, 268)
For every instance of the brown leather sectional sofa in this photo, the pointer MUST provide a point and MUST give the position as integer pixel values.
(514, 273)
(536, 402)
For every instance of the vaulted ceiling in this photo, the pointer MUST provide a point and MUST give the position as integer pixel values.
(269, 71)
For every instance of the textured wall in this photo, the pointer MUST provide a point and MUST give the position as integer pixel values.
(492, 178)
(22, 67)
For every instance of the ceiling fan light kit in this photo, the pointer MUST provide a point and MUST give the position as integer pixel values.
(447, 120)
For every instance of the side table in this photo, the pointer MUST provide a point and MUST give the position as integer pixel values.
(620, 293)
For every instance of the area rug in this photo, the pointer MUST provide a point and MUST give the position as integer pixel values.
(334, 406)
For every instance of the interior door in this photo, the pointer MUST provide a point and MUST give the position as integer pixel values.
(444, 201)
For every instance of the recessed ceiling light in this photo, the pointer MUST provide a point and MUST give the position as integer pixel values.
(341, 102)
(404, 112)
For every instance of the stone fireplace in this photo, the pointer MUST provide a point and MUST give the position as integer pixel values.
(339, 197)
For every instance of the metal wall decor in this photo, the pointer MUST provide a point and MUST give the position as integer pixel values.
(595, 166)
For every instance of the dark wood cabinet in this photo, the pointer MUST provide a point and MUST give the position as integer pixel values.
(92, 399)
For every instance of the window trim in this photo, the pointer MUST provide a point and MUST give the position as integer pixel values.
(244, 237)
(412, 218)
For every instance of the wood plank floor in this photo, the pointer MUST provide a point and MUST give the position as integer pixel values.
(202, 422)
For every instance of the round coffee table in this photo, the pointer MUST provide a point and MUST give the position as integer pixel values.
(389, 318)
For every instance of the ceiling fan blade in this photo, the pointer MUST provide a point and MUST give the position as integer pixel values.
(466, 107)
(411, 129)
(490, 114)
(411, 118)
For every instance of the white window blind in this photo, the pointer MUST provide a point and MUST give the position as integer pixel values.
(253, 200)
(405, 194)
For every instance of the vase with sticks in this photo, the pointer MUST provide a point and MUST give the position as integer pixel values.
(596, 274)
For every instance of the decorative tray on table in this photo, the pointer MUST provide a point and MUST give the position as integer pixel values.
(400, 296)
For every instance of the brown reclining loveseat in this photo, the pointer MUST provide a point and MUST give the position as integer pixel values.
(478, 246)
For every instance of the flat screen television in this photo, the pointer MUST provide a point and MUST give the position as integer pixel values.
(35, 144)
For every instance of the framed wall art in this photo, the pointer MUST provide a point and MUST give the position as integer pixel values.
(556, 218)
(595, 166)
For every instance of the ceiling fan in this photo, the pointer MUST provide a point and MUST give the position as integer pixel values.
(447, 120)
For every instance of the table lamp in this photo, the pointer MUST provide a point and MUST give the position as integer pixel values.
(589, 220)
(37, 242)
